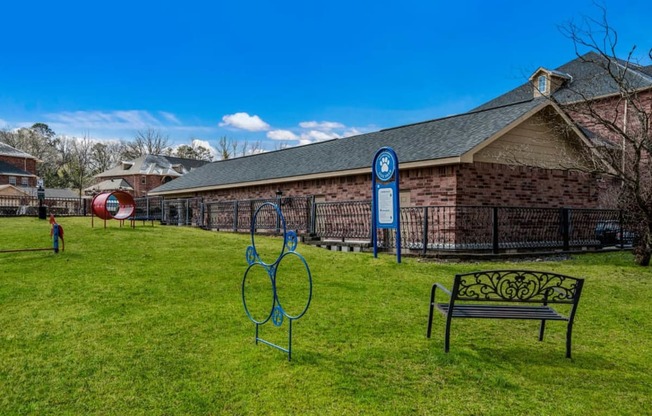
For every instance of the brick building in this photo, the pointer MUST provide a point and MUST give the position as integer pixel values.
(512, 151)
(140, 175)
(17, 168)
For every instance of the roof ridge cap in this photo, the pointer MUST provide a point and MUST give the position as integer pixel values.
(482, 110)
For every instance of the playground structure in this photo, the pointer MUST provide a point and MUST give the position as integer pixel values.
(117, 205)
(277, 312)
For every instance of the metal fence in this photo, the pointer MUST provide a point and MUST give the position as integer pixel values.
(499, 229)
(237, 215)
(423, 229)
(12, 206)
(185, 211)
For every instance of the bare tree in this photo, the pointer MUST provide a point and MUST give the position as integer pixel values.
(227, 148)
(193, 151)
(251, 148)
(79, 168)
(281, 145)
(619, 124)
(106, 155)
(146, 142)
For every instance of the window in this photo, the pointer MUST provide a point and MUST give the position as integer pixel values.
(24, 181)
(543, 84)
(12, 180)
(143, 180)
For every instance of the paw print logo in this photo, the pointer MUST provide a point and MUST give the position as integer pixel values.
(384, 164)
(271, 292)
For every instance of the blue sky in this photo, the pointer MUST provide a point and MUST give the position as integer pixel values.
(277, 71)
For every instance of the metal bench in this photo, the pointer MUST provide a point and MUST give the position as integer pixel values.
(509, 294)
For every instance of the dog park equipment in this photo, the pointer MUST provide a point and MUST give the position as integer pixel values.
(117, 205)
(277, 311)
(56, 233)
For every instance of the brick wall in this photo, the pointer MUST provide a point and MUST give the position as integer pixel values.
(503, 185)
(465, 184)
(28, 165)
(613, 109)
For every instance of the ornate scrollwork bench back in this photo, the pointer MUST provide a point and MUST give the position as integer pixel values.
(500, 294)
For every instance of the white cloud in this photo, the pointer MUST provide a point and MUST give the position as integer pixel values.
(111, 120)
(351, 132)
(322, 126)
(170, 117)
(319, 136)
(245, 122)
(282, 135)
(3, 124)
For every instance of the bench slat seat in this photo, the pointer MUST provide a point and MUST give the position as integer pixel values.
(508, 294)
(502, 312)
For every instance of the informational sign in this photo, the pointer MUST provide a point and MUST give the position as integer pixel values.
(385, 206)
(385, 213)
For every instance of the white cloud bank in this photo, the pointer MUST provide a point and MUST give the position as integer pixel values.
(321, 125)
(313, 131)
(244, 121)
(282, 135)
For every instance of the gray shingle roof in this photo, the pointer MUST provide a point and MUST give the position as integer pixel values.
(589, 80)
(435, 139)
(7, 169)
(6, 150)
(153, 165)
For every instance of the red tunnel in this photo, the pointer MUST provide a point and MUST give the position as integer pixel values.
(117, 204)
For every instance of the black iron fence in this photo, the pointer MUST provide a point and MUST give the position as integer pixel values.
(11, 206)
(423, 229)
(237, 215)
(448, 228)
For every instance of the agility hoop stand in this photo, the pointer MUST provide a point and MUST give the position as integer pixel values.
(277, 313)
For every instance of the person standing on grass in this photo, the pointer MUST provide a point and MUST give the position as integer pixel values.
(56, 233)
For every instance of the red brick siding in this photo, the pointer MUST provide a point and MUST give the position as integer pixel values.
(612, 108)
(503, 185)
(28, 165)
(466, 184)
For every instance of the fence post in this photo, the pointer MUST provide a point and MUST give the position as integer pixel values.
(202, 213)
(313, 216)
(494, 230)
(425, 230)
(565, 224)
(235, 216)
(621, 227)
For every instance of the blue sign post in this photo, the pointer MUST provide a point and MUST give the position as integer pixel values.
(386, 210)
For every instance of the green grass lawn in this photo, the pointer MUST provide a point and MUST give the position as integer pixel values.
(150, 321)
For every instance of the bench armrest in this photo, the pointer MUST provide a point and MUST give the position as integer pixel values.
(442, 288)
(432, 304)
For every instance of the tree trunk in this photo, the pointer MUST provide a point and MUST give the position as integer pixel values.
(643, 247)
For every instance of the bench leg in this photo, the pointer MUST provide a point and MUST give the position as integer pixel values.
(448, 333)
(432, 309)
(542, 329)
(569, 334)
